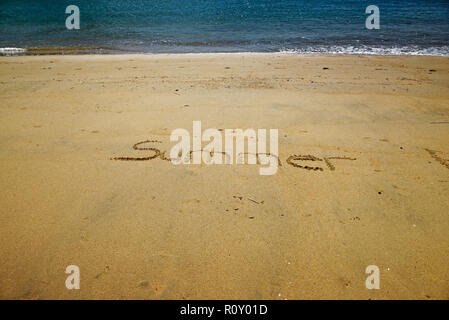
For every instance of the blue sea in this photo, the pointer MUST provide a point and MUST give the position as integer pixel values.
(181, 26)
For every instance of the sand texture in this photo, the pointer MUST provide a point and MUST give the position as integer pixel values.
(363, 177)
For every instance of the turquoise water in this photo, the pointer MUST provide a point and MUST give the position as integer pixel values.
(151, 26)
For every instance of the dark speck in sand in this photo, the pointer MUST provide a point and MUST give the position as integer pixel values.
(380, 192)
(144, 284)
(432, 70)
(325, 68)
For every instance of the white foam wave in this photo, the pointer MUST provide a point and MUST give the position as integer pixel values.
(384, 51)
(12, 51)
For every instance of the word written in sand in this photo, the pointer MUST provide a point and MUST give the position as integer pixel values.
(296, 161)
(213, 151)
(292, 160)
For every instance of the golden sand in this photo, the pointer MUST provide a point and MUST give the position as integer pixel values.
(376, 127)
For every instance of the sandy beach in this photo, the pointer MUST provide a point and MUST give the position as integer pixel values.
(363, 177)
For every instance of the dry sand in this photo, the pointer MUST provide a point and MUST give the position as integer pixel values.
(152, 230)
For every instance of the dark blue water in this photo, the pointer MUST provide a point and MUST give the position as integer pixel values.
(305, 26)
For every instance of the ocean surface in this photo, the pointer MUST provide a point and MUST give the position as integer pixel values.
(179, 26)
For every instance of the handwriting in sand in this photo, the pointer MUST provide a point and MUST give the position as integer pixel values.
(295, 160)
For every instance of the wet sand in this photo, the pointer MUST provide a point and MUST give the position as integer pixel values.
(364, 177)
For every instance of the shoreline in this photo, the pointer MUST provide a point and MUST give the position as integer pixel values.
(119, 56)
(228, 53)
(81, 51)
